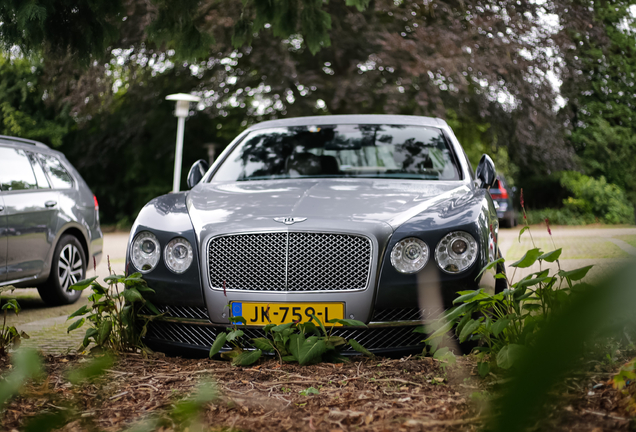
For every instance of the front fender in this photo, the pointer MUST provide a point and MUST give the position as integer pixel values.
(167, 217)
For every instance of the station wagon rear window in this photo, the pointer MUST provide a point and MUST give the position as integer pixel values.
(375, 151)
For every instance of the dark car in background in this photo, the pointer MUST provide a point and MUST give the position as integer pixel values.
(503, 196)
(377, 218)
(49, 221)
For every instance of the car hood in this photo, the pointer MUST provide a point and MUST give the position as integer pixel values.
(243, 204)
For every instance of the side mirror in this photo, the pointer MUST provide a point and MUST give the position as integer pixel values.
(486, 172)
(198, 170)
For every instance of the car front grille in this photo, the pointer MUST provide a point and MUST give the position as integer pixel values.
(405, 314)
(290, 261)
(203, 336)
(178, 312)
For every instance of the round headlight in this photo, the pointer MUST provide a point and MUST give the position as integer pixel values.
(145, 252)
(178, 255)
(456, 252)
(409, 255)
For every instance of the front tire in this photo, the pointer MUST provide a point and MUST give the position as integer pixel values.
(67, 268)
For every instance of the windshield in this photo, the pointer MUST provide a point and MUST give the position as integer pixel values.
(377, 151)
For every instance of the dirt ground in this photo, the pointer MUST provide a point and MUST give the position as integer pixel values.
(408, 394)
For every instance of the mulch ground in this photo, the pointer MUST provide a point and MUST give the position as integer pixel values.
(408, 394)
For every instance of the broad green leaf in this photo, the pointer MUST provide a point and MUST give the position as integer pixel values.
(524, 229)
(358, 347)
(269, 327)
(83, 284)
(263, 344)
(145, 289)
(483, 368)
(459, 310)
(113, 279)
(489, 266)
(281, 327)
(420, 329)
(335, 340)
(26, 364)
(499, 326)
(445, 356)
(532, 306)
(152, 308)
(468, 329)
(77, 324)
(528, 259)
(247, 358)
(234, 334)
(238, 320)
(296, 341)
(311, 351)
(347, 322)
(90, 333)
(466, 297)
(132, 295)
(441, 331)
(551, 256)
(81, 311)
(218, 343)
(509, 355)
(289, 359)
(530, 282)
(11, 304)
(104, 332)
(307, 327)
(577, 274)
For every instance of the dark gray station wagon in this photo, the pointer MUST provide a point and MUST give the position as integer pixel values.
(376, 218)
(49, 221)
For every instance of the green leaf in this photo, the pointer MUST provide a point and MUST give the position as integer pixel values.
(11, 304)
(152, 308)
(311, 351)
(234, 334)
(238, 320)
(483, 368)
(81, 311)
(462, 324)
(528, 259)
(500, 326)
(104, 332)
(532, 307)
(420, 329)
(524, 229)
(218, 344)
(468, 329)
(509, 355)
(83, 284)
(281, 327)
(459, 310)
(132, 295)
(466, 297)
(309, 391)
(445, 356)
(90, 333)
(289, 359)
(530, 282)
(308, 327)
(47, 421)
(335, 341)
(489, 266)
(358, 347)
(263, 344)
(93, 369)
(296, 341)
(575, 275)
(77, 324)
(551, 256)
(347, 322)
(322, 326)
(441, 331)
(247, 358)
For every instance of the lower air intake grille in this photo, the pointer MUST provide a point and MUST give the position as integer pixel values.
(179, 312)
(203, 335)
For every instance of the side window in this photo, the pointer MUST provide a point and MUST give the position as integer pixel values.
(15, 170)
(43, 182)
(60, 178)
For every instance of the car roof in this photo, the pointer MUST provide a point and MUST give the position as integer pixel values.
(351, 119)
(15, 140)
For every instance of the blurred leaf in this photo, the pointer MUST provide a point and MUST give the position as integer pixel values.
(263, 344)
(500, 325)
(467, 297)
(83, 284)
(234, 334)
(132, 295)
(347, 322)
(247, 358)
(311, 351)
(322, 326)
(26, 364)
(296, 341)
(81, 311)
(47, 421)
(218, 343)
(528, 259)
(104, 332)
(77, 324)
(358, 347)
(509, 355)
(468, 329)
(575, 275)
(551, 256)
(483, 368)
(95, 368)
(309, 391)
(489, 266)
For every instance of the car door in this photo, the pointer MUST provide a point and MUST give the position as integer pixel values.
(3, 241)
(30, 212)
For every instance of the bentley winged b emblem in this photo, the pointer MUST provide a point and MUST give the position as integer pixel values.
(288, 220)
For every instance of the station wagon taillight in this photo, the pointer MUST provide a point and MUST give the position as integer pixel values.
(501, 194)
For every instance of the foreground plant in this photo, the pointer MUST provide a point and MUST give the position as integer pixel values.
(9, 335)
(113, 313)
(304, 343)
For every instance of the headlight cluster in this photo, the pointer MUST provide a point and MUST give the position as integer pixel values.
(456, 252)
(146, 252)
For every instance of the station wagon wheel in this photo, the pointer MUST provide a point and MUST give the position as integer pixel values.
(67, 267)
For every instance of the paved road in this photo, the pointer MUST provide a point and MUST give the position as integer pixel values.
(605, 248)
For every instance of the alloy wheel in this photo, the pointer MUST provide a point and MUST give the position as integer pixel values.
(69, 267)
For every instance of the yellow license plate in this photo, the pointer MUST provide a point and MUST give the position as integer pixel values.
(280, 313)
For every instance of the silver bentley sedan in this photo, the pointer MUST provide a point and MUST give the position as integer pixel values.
(377, 218)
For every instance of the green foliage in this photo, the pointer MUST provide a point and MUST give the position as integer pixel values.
(113, 313)
(507, 323)
(24, 111)
(591, 201)
(27, 364)
(304, 343)
(9, 335)
(310, 391)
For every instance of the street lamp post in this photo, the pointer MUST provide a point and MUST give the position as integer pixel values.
(181, 112)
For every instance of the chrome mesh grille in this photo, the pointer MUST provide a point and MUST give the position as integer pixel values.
(290, 261)
(204, 335)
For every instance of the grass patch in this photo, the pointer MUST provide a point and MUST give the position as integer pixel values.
(573, 248)
(630, 239)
